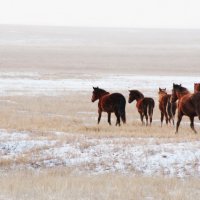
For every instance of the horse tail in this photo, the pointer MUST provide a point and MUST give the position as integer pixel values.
(169, 109)
(150, 107)
(122, 111)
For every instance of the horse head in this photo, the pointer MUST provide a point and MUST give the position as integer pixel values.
(97, 93)
(177, 92)
(162, 91)
(134, 95)
(131, 97)
(196, 87)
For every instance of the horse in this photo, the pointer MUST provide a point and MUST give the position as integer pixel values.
(110, 103)
(145, 105)
(188, 104)
(167, 108)
(196, 87)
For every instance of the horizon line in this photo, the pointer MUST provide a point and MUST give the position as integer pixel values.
(96, 27)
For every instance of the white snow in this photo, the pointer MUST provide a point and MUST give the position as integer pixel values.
(4, 135)
(147, 156)
(33, 85)
(12, 144)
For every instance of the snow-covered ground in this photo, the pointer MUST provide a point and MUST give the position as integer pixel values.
(145, 156)
(34, 84)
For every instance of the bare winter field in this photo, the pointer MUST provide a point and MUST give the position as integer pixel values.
(60, 183)
(49, 137)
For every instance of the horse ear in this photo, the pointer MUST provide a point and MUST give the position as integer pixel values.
(173, 84)
(160, 89)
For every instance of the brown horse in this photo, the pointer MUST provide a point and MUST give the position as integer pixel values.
(145, 105)
(196, 87)
(109, 103)
(167, 108)
(188, 104)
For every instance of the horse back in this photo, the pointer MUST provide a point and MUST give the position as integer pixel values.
(163, 102)
(110, 102)
(143, 103)
(149, 101)
(187, 104)
(195, 98)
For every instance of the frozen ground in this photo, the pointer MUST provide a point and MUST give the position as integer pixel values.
(34, 84)
(144, 156)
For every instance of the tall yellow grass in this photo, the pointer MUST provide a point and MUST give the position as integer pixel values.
(75, 113)
(62, 184)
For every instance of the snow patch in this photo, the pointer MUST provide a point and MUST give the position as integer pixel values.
(147, 156)
(50, 87)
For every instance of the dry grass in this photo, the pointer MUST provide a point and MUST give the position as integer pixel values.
(62, 184)
(42, 115)
(75, 113)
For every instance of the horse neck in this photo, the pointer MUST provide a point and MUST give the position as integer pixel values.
(102, 94)
(161, 96)
(182, 94)
(139, 97)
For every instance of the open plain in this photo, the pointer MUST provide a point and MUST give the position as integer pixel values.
(50, 144)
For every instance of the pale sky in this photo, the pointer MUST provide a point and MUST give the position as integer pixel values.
(102, 13)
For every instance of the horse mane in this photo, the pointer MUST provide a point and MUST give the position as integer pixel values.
(183, 89)
(180, 88)
(100, 90)
(138, 93)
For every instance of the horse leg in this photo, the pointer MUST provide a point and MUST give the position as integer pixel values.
(173, 120)
(180, 115)
(151, 115)
(99, 118)
(192, 124)
(118, 118)
(169, 112)
(109, 116)
(166, 117)
(141, 117)
(169, 119)
(161, 118)
(146, 116)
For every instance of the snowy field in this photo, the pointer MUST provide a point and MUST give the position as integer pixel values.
(48, 120)
(33, 84)
(147, 156)
(86, 154)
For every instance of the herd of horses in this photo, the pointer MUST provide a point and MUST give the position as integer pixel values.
(180, 99)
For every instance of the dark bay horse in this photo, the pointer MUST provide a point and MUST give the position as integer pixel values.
(145, 105)
(110, 103)
(196, 87)
(188, 104)
(167, 108)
